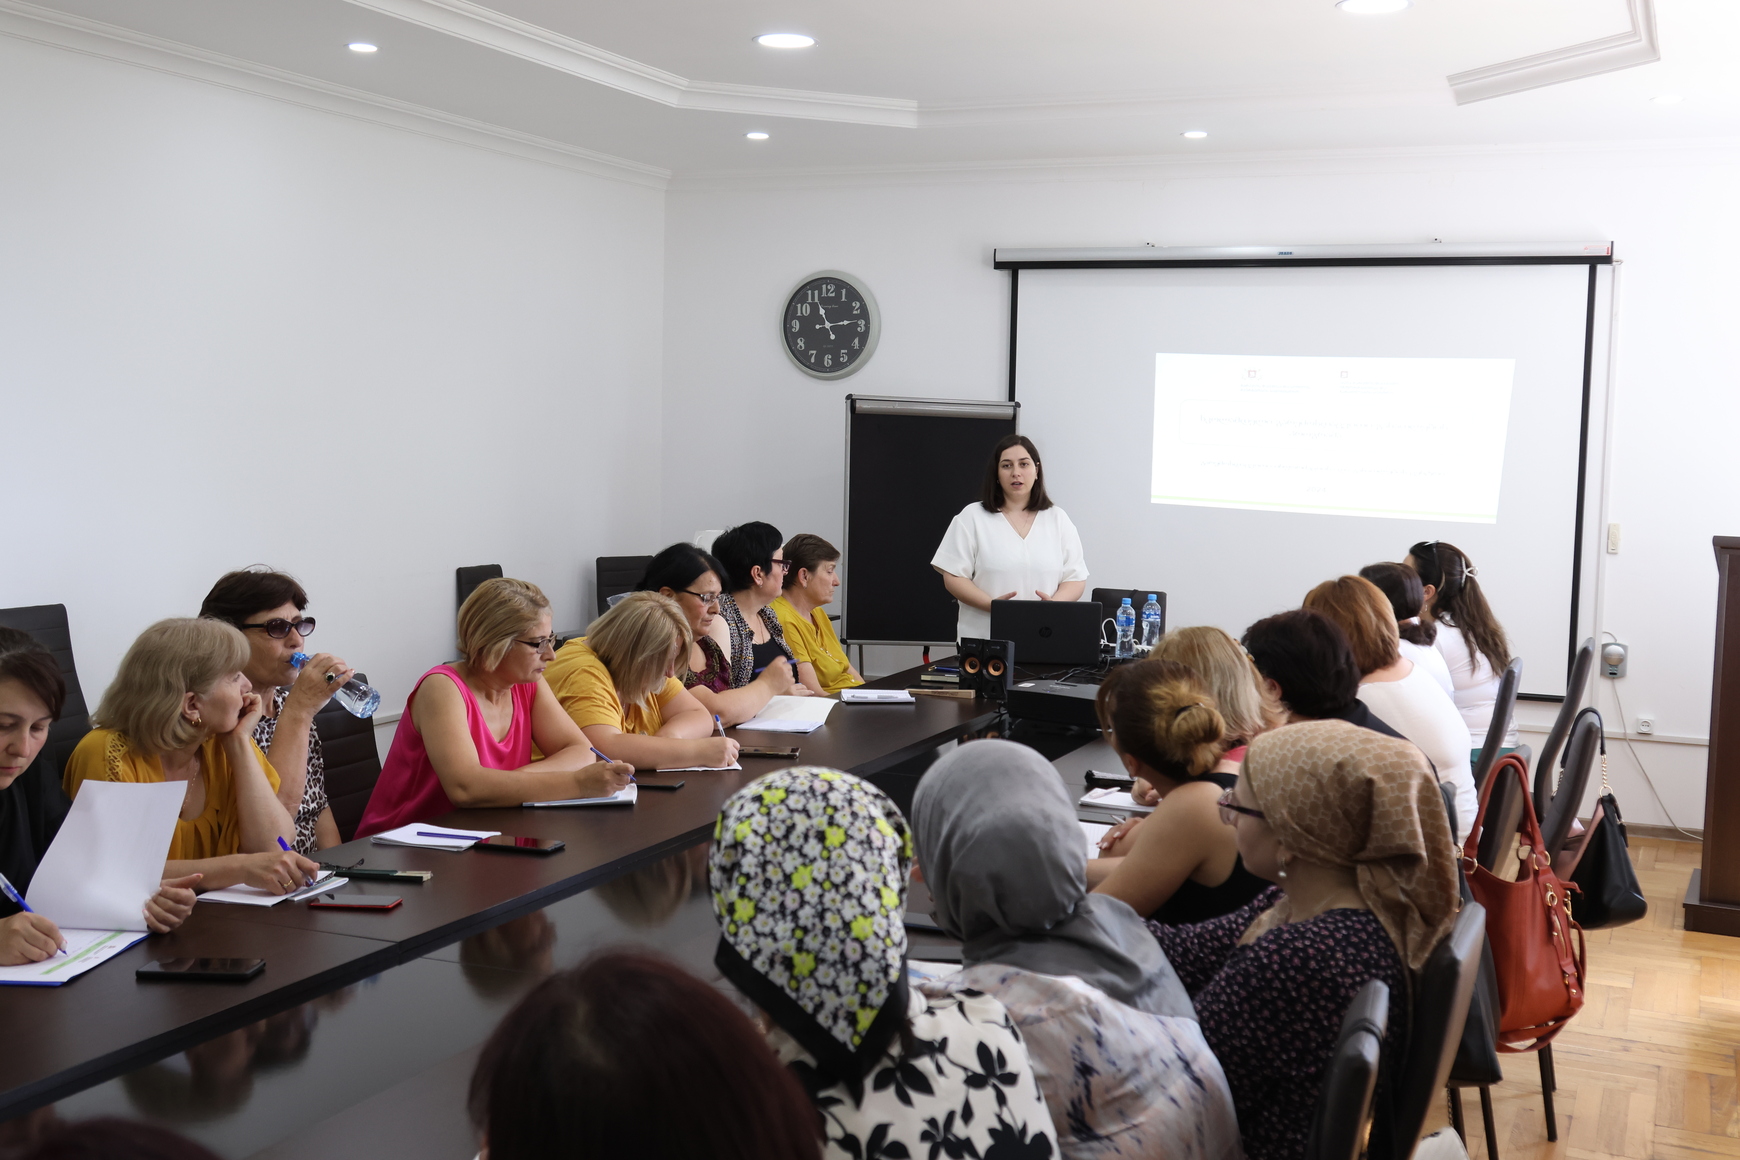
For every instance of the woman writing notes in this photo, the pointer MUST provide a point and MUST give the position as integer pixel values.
(1012, 543)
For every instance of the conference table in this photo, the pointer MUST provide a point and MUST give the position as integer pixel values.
(360, 1035)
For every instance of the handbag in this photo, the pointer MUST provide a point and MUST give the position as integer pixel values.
(1599, 864)
(1529, 928)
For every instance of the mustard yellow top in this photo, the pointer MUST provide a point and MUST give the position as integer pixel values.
(814, 640)
(584, 686)
(105, 755)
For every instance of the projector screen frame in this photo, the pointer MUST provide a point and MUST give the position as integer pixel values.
(1591, 254)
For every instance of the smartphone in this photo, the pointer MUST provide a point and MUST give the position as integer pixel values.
(522, 845)
(661, 784)
(200, 970)
(768, 751)
(923, 922)
(356, 901)
(1099, 779)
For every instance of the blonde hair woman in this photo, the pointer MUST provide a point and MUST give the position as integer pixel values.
(466, 739)
(618, 684)
(180, 709)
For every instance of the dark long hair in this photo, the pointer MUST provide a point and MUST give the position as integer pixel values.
(1459, 601)
(991, 495)
(588, 1064)
(677, 567)
(1407, 597)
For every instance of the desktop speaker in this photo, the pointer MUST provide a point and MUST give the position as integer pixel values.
(987, 666)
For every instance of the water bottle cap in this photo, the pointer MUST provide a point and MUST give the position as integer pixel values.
(1126, 600)
(1153, 597)
(298, 659)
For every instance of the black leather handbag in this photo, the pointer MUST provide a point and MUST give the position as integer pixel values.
(1606, 892)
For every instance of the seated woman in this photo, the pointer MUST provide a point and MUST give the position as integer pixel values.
(618, 684)
(1182, 865)
(1401, 585)
(1307, 666)
(693, 579)
(583, 1067)
(466, 738)
(267, 606)
(180, 709)
(1351, 828)
(747, 631)
(1398, 690)
(812, 575)
(1111, 1032)
(1475, 648)
(809, 871)
(32, 806)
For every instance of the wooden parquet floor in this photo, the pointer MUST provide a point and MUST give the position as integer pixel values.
(1647, 1069)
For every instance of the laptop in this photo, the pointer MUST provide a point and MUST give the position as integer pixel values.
(1049, 632)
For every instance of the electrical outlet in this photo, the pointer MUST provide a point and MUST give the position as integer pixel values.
(1645, 723)
(1613, 659)
(1613, 538)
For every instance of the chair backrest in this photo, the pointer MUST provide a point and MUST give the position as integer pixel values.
(616, 575)
(1502, 708)
(1573, 703)
(353, 764)
(469, 578)
(1441, 997)
(1561, 808)
(1344, 1104)
(48, 624)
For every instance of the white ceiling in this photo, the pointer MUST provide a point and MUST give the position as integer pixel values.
(675, 83)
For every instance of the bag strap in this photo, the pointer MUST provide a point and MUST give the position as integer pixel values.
(1600, 736)
(1512, 764)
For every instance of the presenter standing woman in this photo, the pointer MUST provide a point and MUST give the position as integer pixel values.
(1012, 543)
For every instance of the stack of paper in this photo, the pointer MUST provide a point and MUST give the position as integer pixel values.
(1114, 801)
(84, 950)
(254, 896)
(429, 836)
(792, 715)
(877, 697)
(622, 797)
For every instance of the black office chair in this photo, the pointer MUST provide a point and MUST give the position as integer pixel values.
(1573, 703)
(353, 764)
(1560, 809)
(1503, 708)
(616, 575)
(1344, 1104)
(1109, 598)
(469, 578)
(48, 624)
(1441, 997)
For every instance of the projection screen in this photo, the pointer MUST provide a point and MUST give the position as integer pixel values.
(1234, 431)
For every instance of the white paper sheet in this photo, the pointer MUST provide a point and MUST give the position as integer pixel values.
(84, 950)
(411, 835)
(622, 797)
(108, 857)
(792, 715)
(1115, 800)
(697, 768)
(254, 896)
(1093, 832)
(876, 697)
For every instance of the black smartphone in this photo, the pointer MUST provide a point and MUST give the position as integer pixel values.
(768, 751)
(923, 922)
(522, 845)
(200, 970)
(661, 784)
(356, 901)
(1098, 779)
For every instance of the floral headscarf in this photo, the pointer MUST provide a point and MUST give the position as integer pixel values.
(809, 871)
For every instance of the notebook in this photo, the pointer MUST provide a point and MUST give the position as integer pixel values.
(877, 697)
(622, 797)
(1116, 801)
(792, 715)
(1093, 832)
(84, 950)
(254, 896)
(448, 838)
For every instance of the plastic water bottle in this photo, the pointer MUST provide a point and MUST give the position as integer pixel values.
(1126, 620)
(1152, 619)
(361, 700)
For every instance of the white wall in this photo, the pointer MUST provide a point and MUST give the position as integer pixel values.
(234, 330)
(923, 244)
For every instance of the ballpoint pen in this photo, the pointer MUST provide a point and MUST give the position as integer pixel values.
(605, 759)
(285, 846)
(11, 892)
(719, 725)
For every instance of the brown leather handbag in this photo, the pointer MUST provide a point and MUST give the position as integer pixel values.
(1529, 927)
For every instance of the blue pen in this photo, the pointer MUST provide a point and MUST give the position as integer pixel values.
(285, 846)
(11, 892)
(461, 837)
(604, 759)
(718, 724)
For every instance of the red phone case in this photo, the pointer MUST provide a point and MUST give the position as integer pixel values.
(342, 905)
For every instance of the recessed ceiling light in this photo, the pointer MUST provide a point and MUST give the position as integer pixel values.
(1667, 99)
(361, 46)
(1194, 134)
(1372, 7)
(756, 135)
(784, 40)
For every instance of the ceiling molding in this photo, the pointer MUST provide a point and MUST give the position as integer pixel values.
(1637, 45)
(28, 22)
(483, 26)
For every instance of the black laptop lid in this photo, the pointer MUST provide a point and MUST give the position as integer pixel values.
(1049, 632)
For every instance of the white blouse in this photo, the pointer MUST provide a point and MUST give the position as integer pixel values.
(1476, 683)
(1432, 661)
(985, 548)
(1417, 708)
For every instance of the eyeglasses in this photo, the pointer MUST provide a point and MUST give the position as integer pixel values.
(710, 599)
(540, 644)
(278, 628)
(1229, 813)
(783, 565)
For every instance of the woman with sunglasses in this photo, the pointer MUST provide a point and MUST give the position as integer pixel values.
(267, 606)
(747, 630)
(694, 579)
(465, 740)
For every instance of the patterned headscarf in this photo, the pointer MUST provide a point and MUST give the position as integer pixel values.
(809, 871)
(1339, 795)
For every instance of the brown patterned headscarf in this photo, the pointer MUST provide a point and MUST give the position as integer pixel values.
(1339, 795)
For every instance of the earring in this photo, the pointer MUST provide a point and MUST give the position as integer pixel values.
(199, 722)
(1283, 870)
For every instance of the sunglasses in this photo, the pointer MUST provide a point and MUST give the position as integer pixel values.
(1229, 813)
(278, 628)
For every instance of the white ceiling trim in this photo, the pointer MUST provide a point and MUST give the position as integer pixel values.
(1637, 45)
(24, 21)
(483, 26)
(939, 113)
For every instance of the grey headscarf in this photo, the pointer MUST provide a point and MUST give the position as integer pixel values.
(1006, 862)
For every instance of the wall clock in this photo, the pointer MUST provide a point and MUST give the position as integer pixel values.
(830, 325)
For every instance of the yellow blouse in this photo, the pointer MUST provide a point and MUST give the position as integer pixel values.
(584, 686)
(105, 755)
(814, 640)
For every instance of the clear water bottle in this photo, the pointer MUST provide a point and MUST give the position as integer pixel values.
(359, 699)
(1126, 620)
(1152, 621)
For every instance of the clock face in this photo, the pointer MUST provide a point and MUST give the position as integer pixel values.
(830, 325)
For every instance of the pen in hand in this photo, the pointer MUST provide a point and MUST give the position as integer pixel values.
(285, 846)
(605, 759)
(719, 725)
(11, 892)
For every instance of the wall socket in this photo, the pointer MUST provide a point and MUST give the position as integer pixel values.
(1614, 657)
(1645, 723)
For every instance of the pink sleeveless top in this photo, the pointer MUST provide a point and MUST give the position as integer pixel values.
(408, 789)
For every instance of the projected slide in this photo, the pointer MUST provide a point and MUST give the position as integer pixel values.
(1401, 438)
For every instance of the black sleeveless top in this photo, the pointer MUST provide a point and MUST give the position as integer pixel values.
(766, 654)
(1194, 902)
